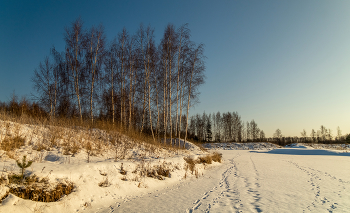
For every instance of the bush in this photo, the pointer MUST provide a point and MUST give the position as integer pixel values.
(206, 159)
(191, 163)
(216, 157)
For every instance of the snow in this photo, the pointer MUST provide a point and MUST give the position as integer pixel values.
(258, 181)
(253, 177)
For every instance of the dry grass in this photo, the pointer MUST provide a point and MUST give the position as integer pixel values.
(12, 143)
(207, 159)
(56, 127)
(38, 189)
(74, 136)
(157, 171)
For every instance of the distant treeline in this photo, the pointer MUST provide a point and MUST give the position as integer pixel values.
(22, 107)
(323, 135)
(229, 127)
(225, 127)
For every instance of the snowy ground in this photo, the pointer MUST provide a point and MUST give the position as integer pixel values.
(282, 180)
(254, 177)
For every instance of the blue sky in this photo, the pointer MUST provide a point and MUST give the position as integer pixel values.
(284, 64)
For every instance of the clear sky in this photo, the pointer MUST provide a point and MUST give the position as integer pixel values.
(285, 64)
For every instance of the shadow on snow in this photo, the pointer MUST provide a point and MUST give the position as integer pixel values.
(298, 151)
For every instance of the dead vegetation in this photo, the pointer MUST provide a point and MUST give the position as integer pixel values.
(104, 183)
(12, 143)
(159, 172)
(207, 159)
(72, 136)
(35, 188)
(216, 157)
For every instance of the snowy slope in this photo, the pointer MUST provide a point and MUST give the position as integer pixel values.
(253, 177)
(57, 166)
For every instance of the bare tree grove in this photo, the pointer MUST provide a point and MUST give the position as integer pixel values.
(131, 81)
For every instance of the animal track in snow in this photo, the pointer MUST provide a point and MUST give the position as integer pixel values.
(317, 177)
(222, 190)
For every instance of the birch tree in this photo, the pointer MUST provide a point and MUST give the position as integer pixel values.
(196, 77)
(95, 54)
(111, 68)
(75, 39)
(43, 80)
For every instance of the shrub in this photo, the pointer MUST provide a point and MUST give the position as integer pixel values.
(40, 193)
(36, 189)
(216, 157)
(122, 171)
(206, 159)
(104, 183)
(162, 171)
(191, 163)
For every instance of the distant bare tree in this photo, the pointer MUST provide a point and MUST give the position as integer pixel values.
(278, 134)
(254, 130)
(323, 133)
(262, 135)
(339, 134)
(248, 130)
(303, 134)
(218, 127)
(313, 135)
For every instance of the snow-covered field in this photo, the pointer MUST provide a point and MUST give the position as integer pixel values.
(298, 179)
(253, 177)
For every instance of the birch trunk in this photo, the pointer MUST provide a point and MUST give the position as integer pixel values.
(189, 96)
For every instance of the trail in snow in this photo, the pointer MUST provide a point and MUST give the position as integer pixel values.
(255, 182)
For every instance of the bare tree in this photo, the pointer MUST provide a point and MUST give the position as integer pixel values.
(95, 54)
(248, 129)
(313, 135)
(278, 134)
(75, 38)
(262, 135)
(148, 52)
(303, 134)
(197, 77)
(254, 130)
(111, 67)
(218, 126)
(44, 84)
(122, 39)
(339, 134)
(323, 132)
